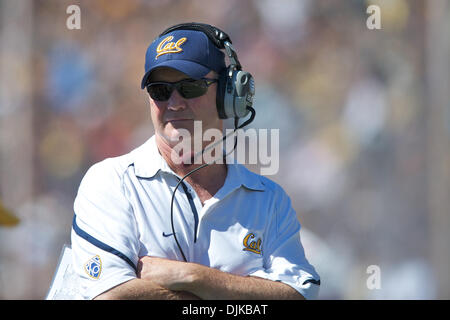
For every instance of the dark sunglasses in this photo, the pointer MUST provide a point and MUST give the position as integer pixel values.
(187, 88)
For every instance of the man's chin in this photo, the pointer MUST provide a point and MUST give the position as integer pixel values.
(178, 140)
(179, 126)
(175, 136)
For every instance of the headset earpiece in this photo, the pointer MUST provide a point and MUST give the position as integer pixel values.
(236, 88)
(238, 91)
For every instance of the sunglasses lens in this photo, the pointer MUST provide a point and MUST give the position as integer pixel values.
(192, 89)
(188, 89)
(160, 92)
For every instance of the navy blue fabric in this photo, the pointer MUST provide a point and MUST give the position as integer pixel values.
(313, 281)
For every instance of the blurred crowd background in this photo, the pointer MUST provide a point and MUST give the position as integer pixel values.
(364, 119)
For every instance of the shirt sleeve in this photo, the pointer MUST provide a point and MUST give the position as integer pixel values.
(104, 235)
(283, 253)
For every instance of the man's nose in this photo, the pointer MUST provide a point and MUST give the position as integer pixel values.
(176, 102)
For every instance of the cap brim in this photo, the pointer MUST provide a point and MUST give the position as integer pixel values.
(7, 218)
(192, 69)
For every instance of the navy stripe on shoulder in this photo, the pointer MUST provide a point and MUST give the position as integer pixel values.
(86, 236)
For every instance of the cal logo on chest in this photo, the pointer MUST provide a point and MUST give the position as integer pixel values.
(251, 243)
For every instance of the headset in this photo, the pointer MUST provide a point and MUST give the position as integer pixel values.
(234, 98)
(236, 88)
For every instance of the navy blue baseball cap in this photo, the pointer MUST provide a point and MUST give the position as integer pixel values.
(188, 51)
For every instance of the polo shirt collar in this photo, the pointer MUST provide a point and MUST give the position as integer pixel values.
(238, 175)
(148, 162)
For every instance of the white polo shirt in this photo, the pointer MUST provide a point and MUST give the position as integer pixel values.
(122, 212)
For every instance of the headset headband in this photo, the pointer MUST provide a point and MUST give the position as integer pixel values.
(217, 36)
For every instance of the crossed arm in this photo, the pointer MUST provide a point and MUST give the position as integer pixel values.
(160, 278)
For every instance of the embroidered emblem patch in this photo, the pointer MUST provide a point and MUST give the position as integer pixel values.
(167, 46)
(252, 245)
(94, 267)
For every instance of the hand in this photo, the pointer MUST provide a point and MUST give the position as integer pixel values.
(170, 274)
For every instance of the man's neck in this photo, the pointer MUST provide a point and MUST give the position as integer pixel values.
(206, 181)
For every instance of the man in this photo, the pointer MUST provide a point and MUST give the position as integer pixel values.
(231, 234)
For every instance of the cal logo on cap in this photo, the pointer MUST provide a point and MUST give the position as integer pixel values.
(94, 267)
(168, 46)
